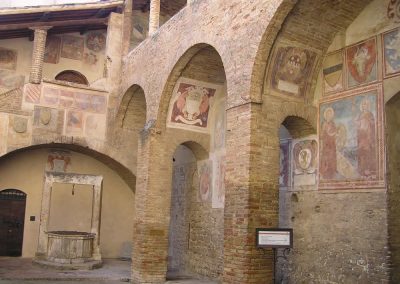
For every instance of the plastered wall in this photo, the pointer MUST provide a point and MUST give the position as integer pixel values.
(71, 212)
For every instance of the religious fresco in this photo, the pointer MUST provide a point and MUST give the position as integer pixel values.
(361, 60)
(204, 169)
(96, 41)
(72, 47)
(332, 70)
(291, 68)
(284, 163)
(52, 50)
(218, 193)
(305, 161)
(351, 140)
(8, 59)
(391, 52)
(190, 104)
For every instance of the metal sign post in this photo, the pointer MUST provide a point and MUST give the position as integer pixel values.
(275, 238)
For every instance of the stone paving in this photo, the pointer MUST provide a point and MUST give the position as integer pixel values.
(23, 271)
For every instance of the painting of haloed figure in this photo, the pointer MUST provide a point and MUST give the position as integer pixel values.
(190, 104)
(350, 137)
(284, 162)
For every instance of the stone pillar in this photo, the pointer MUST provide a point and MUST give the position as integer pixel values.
(39, 44)
(152, 210)
(96, 219)
(251, 194)
(41, 251)
(154, 18)
(126, 39)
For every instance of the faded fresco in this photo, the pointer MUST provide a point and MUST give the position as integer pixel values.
(95, 125)
(10, 80)
(90, 58)
(219, 127)
(291, 68)
(218, 194)
(96, 41)
(3, 132)
(332, 70)
(361, 63)
(305, 162)
(72, 47)
(67, 98)
(58, 161)
(391, 52)
(393, 11)
(284, 163)
(74, 123)
(8, 59)
(204, 169)
(45, 118)
(350, 139)
(52, 49)
(19, 132)
(190, 104)
(32, 93)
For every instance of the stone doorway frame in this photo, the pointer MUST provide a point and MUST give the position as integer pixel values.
(70, 178)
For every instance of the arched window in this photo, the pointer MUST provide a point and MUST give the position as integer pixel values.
(72, 76)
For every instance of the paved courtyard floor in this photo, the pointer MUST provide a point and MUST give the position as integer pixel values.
(23, 271)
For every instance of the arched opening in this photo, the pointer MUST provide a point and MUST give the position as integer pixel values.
(12, 220)
(392, 111)
(140, 19)
(343, 66)
(72, 76)
(71, 205)
(191, 193)
(298, 159)
(193, 106)
(130, 120)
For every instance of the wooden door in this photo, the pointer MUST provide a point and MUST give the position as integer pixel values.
(12, 215)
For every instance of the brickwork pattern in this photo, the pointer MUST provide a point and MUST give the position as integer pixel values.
(39, 44)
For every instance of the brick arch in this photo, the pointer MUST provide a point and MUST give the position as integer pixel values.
(297, 115)
(133, 99)
(182, 65)
(310, 25)
(106, 158)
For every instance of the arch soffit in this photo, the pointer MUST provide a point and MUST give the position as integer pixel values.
(180, 62)
(126, 174)
(282, 21)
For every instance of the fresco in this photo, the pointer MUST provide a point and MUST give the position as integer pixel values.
(332, 70)
(67, 98)
(52, 50)
(204, 169)
(32, 93)
(350, 134)
(218, 194)
(284, 163)
(393, 11)
(95, 125)
(291, 68)
(90, 58)
(72, 47)
(391, 52)
(58, 161)
(8, 59)
(220, 127)
(304, 169)
(74, 123)
(45, 118)
(190, 104)
(361, 60)
(96, 41)
(10, 80)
